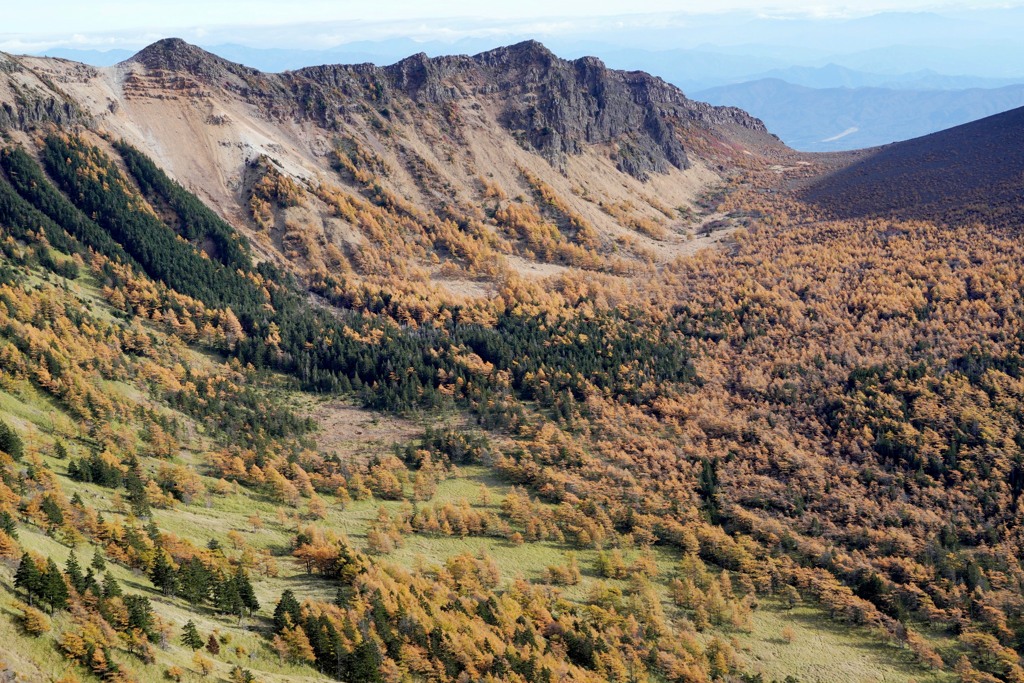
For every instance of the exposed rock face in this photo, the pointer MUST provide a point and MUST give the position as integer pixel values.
(174, 54)
(8, 65)
(553, 106)
(38, 111)
(558, 106)
(27, 102)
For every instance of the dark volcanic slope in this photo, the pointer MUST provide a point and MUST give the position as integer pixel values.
(974, 172)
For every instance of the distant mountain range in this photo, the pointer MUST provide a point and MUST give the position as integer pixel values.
(834, 119)
(836, 76)
(692, 69)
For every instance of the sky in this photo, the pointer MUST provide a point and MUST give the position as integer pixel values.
(52, 16)
(100, 24)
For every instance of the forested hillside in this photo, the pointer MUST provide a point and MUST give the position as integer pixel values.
(230, 452)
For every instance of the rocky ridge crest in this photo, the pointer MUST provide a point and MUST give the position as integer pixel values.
(553, 106)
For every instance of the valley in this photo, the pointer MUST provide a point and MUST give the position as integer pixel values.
(496, 368)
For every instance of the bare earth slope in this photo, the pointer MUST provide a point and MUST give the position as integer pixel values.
(617, 151)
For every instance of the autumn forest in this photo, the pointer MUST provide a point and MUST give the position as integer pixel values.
(258, 454)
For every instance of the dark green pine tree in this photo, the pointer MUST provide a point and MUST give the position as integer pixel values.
(345, 567)
(364, 663)
(111, 588)
(330, 651)
(228, 599)
(98, 563)
(28, 577)
(140, 614)
(193, 581)
(54, 515)
(74, 573)
(78, 471)
(55, 590)
(91, 584)
(7, 524)
(287, 612)
(707, 488)
(190, 636)
(318, 630)
(138, 500)
(245, 591)
(163, 574)
(10, 442)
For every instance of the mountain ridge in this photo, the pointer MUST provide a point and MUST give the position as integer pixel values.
(586, 104)
(173, 54)
(582, 144)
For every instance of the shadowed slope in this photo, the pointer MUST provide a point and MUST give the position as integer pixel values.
(973, 172)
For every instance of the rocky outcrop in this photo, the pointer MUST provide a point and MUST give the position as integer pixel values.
(174, 54)
(554, 106)
(27, 102)
(550, 105)
(558, 107)
(36, 112)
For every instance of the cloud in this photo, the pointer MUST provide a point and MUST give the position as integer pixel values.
(320, 25)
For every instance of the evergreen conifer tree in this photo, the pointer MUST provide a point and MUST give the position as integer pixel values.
(54, 589)
(140, 613)
(137, 497)
(163, 575)
(10, 442)
(74, 572)
(91, 584)
(7, 524)
(228, 598)
(28, 577)
(111, 588)
(54, 515)
(98, 563)
(190, 636)
(287, 612)
(193, 581)
(365, 663)
(245, 591)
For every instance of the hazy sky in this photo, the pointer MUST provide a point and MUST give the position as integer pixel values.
(65, 15)
(31, 26)
(53, 16)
